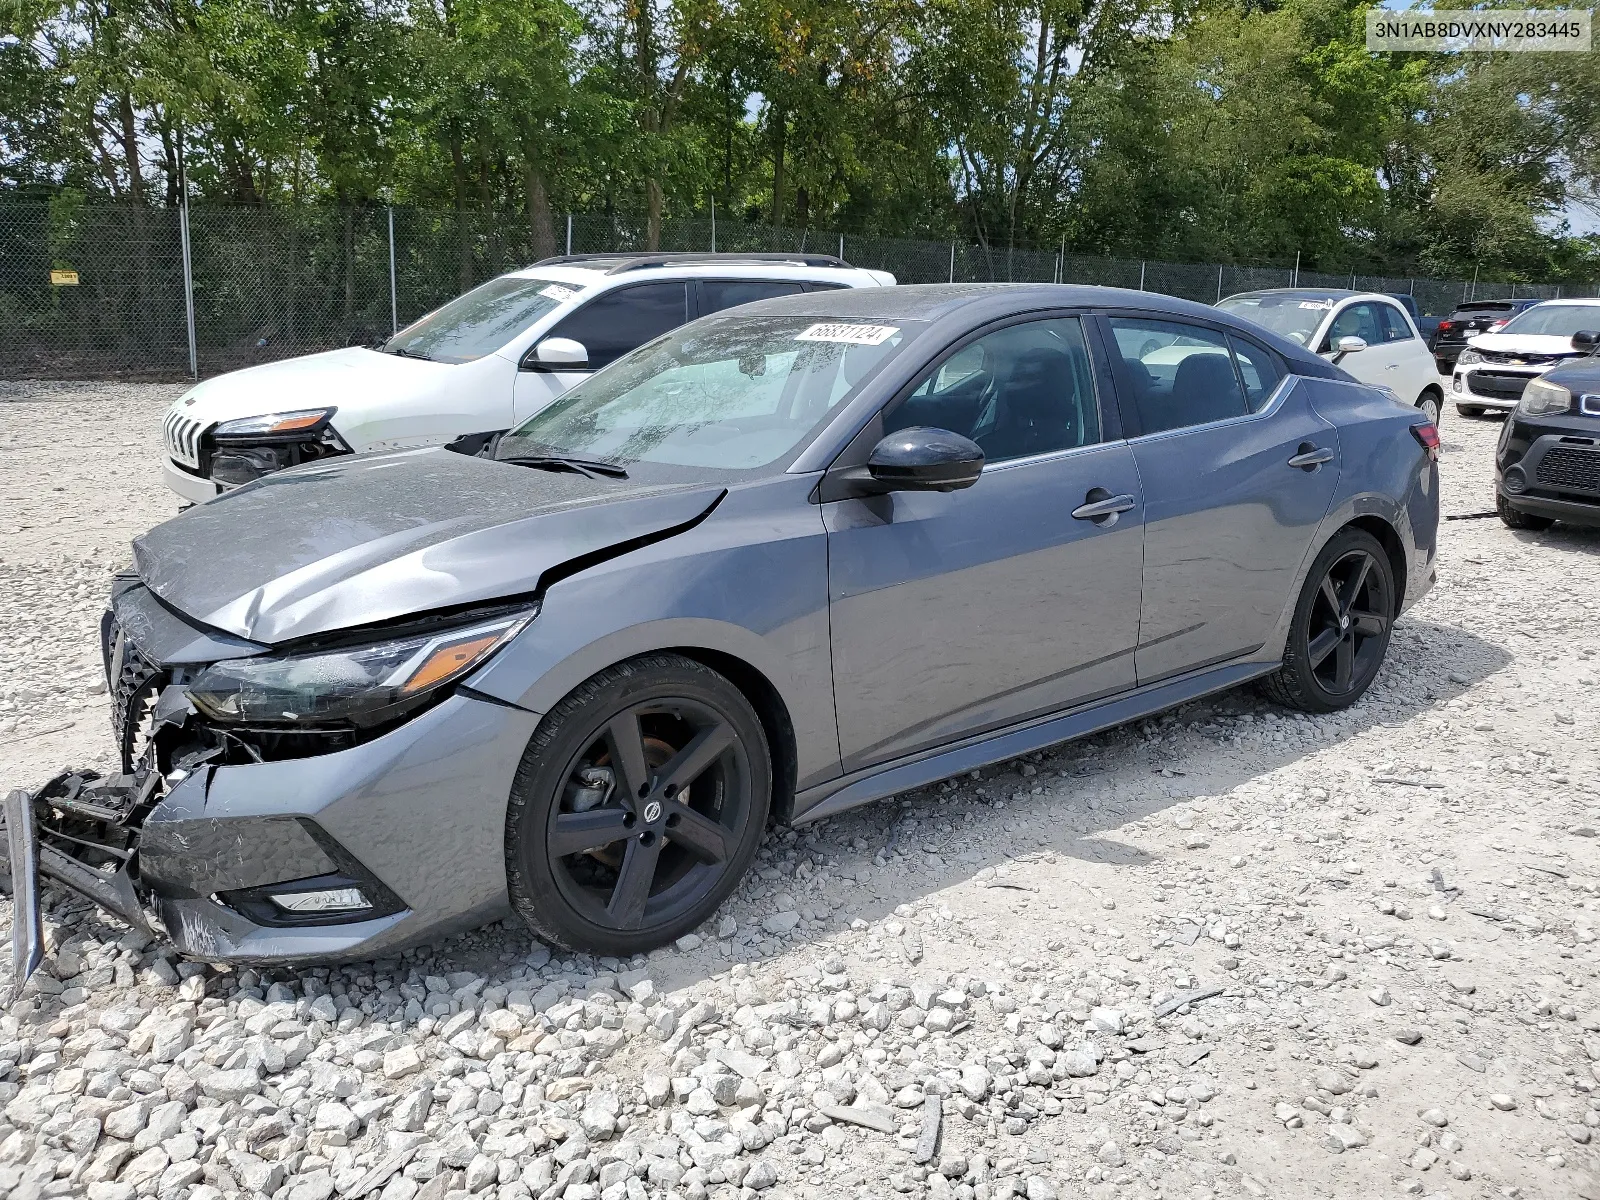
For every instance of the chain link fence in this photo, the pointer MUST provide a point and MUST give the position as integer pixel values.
(92, 291)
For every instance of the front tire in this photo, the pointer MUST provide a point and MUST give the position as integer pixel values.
(1470, 410)
(1520, 520)
(638, 806)
(1341, 627)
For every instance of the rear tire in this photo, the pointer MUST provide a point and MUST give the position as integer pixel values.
(1340, 631)
(1431, 405)
(1520, 520)
(1470, 410)
(637, 808)
(1445, 365)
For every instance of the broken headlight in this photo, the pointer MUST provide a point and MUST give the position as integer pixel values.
(363, 685)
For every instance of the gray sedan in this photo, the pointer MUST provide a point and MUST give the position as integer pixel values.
(777, 563)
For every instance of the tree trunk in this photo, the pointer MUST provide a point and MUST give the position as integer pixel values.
(653, 199)
(130, 148)
(780, 129)
(458, 178)
(802, 207)
(349, 268)
(540, 227)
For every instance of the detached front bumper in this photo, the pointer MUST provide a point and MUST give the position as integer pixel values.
(415, 819)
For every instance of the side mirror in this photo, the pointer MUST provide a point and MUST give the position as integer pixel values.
(1352, 345)
(922, 459)
(1586, 340)
(561, 352)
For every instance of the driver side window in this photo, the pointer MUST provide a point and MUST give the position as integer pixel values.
(1023, 390)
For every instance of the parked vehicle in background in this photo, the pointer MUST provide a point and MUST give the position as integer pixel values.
(1469, 319)
(1547, 466)
(1494, 368)
(479, 364)
(1366, 333)
(1427, 327)
(778, 563)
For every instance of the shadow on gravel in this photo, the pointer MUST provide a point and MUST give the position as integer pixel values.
(1093, 786)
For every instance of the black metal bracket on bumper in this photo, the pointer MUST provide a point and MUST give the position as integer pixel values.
(30, 859)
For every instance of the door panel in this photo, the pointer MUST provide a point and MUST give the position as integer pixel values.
(1228, 525)
(957, 612)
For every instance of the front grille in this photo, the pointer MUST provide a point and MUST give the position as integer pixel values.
(1530, 360)
(181, 434)
(134, 683)
(1502, 385)
(1570, 469)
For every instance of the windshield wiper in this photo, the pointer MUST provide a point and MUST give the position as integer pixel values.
(593, 468)
(402, 352)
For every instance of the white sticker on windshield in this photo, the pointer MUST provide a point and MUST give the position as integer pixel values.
(852, 335)
(558, 293)
(1315, 304)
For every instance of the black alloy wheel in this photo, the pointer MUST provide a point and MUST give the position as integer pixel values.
(1341, 627)
(638, 806)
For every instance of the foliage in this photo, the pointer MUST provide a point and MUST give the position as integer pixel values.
(1255, 130)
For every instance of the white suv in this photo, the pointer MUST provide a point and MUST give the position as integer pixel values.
(1366, 333)
(1493, 368)
(478, 365)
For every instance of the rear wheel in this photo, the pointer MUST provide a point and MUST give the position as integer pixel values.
(1429, 405)
(1470, 410)
(1445, 365)
(637, 807)
(1520, 520)
(1341, 627)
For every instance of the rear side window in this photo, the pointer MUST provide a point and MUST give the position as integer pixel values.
(1181, 374)
(611, 325)
(718, 294)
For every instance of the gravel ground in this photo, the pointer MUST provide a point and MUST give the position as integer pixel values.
(1231, 952)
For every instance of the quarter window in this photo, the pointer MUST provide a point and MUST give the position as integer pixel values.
(718, 294)
(1259, 370)
(1180, 374)
(611, 325)
(1022, 390)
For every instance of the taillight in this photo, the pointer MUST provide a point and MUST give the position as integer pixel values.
(1427, 435)
(1494, 326)
(1445, 326)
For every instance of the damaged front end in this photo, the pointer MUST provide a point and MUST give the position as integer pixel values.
(139, 842)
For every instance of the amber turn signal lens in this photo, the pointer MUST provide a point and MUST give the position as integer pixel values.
(446, 660)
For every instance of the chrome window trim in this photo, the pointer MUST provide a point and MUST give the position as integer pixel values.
(1274, 402)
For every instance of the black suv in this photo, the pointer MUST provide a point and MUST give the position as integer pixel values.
(1468, 320)
(1547, 466)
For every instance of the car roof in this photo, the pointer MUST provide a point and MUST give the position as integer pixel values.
(1325, 295)
(596, 270)
(973, 304)
(1506, 303)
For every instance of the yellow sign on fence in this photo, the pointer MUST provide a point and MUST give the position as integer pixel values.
(64, 278)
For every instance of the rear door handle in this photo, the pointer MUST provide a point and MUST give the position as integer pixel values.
(1311, 457)
(1102, 507)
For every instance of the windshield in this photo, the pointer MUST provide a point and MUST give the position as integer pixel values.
(1293, 317)
(481, 321)
(1559, 320)
(727, 393)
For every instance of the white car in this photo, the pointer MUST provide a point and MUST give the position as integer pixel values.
(479, 365)
(1494, 367)
(1366, 333)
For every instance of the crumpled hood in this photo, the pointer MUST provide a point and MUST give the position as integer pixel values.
(351, 541)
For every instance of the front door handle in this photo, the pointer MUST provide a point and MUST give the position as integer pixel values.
(1310, 457)
(1101, 507)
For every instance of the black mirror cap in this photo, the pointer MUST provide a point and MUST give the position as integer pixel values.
(922, 458)
(1587, 340)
